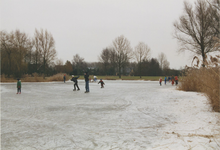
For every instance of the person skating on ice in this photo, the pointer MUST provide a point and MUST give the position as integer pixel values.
(176, 80)
(19, 86)
(160, 81)
(165, 80)
(102, 83)
(172, 78)
(86, 76)
(169, 79)
(64, 78)
(74, 79)
(94, 78)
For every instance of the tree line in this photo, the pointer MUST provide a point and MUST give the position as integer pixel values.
(197, 30)
(21, 55)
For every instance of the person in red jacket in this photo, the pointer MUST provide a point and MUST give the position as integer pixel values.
(172, 78)
(176, 80)
(160, 81)
(102, 83)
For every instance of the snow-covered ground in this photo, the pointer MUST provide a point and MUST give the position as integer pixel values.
(133, 115)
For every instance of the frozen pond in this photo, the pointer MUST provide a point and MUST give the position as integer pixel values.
(124, 115)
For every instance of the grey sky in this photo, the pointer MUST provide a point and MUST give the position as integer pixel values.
(87, 26)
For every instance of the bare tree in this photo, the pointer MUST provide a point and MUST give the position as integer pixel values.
(79, 64)
(77, 59)
(37, 52)
(45, 45)
(123, 52)
(59, 62)
(20, 42)
(30, 48)
(104, 58)
(215, 16)
(166, 65)
(142, 52)
(59, 65)
(194, 31)
(161, 59)
(6, 48)
(68, 67)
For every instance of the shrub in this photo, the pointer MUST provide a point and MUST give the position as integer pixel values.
(204, 79)
(4, 79)
(36, 78)
(57, 77)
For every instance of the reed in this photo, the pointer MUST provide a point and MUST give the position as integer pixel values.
(204, 79)
(36, 78)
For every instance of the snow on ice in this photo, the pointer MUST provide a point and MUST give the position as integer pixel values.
(134, 115)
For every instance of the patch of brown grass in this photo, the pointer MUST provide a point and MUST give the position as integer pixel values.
(4, 79)
(204, 79)
(57, 77)
(36, 78)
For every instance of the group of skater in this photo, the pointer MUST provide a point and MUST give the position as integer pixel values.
(171, 79)
(87, 80)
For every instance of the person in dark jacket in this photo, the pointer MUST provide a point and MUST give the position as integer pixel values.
(169, 79)
(86, 76)
(64, 78)
(74, 79)
(172, 78)
(19, 86)
(102, 83)
(176, 80)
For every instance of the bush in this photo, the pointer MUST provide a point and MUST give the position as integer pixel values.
(36, 78)
(4, 79)
(57, 77)
(204, 79)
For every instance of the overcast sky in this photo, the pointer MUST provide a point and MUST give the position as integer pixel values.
(87, 27)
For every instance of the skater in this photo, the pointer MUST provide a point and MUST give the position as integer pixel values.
(86, 76)
(172, 78)
(19, 86)
(74, 79)
(95, 79)
(165, 80)
(169, 78)
(176, 80)
(102, 83)
(160, 81)
(64, 78)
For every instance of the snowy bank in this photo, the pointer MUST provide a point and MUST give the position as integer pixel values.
(123, 115)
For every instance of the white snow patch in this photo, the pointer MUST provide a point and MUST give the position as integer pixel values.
(124, 115)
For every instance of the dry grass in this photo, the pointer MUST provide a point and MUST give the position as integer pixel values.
(36, 78)
(204, 79)
(4, 79)
(57, 77)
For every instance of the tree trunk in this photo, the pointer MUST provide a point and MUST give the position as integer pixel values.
(9, 69)
(119, 71)
(140, 69)
(20, 71)
(44, 68)
(203, 56)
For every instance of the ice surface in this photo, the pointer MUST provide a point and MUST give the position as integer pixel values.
(135, 115)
